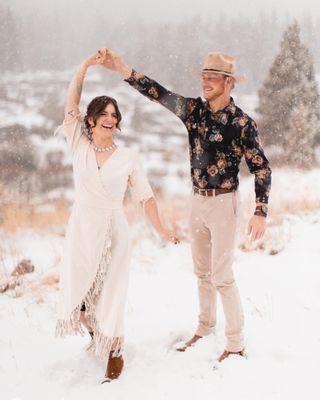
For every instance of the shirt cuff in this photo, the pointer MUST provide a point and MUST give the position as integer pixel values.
(132, 77)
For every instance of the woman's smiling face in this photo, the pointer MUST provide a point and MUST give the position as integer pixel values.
(107, 121)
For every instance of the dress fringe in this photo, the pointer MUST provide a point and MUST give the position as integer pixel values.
(100, 344)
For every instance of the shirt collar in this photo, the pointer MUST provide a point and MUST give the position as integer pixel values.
(230, 108)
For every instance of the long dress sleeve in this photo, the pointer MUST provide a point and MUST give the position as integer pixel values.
(73, 131)
(138, 182)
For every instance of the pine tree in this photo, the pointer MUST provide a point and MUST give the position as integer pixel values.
(289, 89)
(299, 151)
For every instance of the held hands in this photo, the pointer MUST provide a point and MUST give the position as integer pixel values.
(109, 59)
(170, 236)
(97, 58)
(256, 227)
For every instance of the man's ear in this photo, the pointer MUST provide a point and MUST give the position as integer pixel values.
(230, 81)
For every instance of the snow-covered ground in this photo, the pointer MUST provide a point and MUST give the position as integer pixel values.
(281, 299)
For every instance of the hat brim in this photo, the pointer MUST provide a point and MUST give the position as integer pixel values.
(238, 79)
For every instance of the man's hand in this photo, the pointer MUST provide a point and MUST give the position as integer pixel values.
(257, 227)
(114, 62)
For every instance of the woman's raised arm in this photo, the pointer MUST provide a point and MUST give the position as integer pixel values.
(75, 87)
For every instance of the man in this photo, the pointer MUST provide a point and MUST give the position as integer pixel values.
(220, 133)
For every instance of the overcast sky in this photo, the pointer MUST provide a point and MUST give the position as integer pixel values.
(165, 9)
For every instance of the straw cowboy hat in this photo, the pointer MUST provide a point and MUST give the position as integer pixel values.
(222, 64)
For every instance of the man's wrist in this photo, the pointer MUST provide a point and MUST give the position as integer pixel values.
(261, 210)
(125, 71)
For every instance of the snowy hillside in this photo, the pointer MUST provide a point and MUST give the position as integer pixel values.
(33, 104)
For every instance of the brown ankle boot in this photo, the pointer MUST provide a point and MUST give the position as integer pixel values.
(114, 367)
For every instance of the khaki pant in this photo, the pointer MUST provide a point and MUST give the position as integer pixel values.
(213, 225)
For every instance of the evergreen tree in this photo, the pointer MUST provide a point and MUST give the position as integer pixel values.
(289, 89)
(299, 151)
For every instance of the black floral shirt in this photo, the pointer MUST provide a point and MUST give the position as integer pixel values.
(217, 140)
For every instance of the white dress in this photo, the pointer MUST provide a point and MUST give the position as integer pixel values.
(95, 264)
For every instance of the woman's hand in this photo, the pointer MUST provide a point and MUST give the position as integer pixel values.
(151, 210)
(170, 236)
(97, 58)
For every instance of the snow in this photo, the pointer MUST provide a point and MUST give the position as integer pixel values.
(16, 114)
(54, 143)
(281, 301)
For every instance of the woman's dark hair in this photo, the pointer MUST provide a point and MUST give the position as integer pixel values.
(97, 106)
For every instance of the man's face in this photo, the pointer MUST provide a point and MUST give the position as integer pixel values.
(213, 85)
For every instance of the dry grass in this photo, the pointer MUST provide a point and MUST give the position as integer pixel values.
(17, 216)
(293, 193)
(174, 212)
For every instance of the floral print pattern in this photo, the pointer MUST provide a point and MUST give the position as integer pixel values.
(217, 140)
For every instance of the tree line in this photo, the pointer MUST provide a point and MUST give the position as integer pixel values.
(170, 52)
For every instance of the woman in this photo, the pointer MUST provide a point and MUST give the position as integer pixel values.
(95, 264)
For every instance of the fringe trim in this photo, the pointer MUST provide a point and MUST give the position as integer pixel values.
(100, 344)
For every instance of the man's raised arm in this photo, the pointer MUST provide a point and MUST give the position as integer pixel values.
(181, 106)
